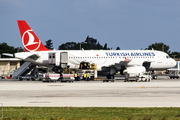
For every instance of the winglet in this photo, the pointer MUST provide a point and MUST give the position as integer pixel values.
(29, 39)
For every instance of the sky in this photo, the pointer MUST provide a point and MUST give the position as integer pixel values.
(129, 24)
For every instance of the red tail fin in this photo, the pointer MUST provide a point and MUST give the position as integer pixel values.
(29, 39)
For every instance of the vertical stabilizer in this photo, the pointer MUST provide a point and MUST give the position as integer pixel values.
(29, 39)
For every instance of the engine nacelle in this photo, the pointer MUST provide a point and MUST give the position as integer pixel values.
(135, 70)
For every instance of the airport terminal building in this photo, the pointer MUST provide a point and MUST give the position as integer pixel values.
(8, 65)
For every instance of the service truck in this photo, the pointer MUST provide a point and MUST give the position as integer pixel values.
(50, 77)
(173, 73)
(67, 78)
(145, 77)
(54, 77)
(137, 74)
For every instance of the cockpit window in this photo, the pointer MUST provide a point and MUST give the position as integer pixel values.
(167, 56)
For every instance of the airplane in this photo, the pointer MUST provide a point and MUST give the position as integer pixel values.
(108, 61)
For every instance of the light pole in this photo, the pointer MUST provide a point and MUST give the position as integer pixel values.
(82, 43)
(174, 56)
(163, 47)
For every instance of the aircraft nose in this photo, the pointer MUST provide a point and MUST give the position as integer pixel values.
(174, 63)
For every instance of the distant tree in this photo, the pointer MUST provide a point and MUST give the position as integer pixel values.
(93, 44)
(69, 46)
(18, 49)
(105, 46)
(89, 44)
(98, 46)
(175, 54)
(5, 48)
(91, 40)
(118, 48)
(49, 44)
(159, 46)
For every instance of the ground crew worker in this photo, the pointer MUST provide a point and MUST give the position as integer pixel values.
(87, 77)
(78, 76)
(84, 76)
(75, 75)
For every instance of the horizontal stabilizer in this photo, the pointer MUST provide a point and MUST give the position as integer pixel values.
(8, 54)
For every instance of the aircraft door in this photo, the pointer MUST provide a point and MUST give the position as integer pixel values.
(63, 59)
(147, 65)
(51, 58)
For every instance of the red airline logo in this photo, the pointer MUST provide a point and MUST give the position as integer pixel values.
(126, 59)
(30, 41)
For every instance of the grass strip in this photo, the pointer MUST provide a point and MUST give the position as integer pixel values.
(89, 113)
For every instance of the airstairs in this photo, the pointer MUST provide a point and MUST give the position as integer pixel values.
(23, 70)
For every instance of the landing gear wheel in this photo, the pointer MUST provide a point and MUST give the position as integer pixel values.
(112, 77)
(155, 77)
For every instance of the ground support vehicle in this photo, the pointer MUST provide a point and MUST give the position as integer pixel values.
(131, 77)
(39, 77)
(50, 77)
(146, 77)
(142, 77)
(81, 72)
(54, 77)
(174, 73)
(27, 77)
(2, 77)
(67, 78)
(137, 74)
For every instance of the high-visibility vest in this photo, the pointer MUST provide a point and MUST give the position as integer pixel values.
(84, 75)
(87, 74)
(76, 75)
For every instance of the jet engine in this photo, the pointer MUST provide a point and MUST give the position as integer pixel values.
(135, 69)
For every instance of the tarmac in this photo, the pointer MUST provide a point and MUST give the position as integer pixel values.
(163, 92)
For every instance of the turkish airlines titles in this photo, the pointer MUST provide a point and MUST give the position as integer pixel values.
(124, 54)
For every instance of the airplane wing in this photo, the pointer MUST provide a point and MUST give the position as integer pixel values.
(123, 63)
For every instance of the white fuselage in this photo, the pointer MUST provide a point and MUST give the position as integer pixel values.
(158, 59)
